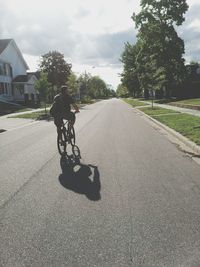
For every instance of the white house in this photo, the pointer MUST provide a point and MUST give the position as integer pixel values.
(15, 83)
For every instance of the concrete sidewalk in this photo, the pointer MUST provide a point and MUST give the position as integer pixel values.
(7, 123)
(182, 110)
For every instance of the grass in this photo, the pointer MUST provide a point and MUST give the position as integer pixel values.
(157, 111)
(159, 101)
(134, 102)
(195, 101)
(6, 108)
(185, 124)
(33, 115)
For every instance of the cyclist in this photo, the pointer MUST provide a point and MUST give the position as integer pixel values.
(61, 108)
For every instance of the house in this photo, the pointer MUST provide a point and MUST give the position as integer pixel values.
(15, 83)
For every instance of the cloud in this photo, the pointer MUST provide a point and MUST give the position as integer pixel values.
(37, 33)
(87, 32)
(104, 48)
(190, 33)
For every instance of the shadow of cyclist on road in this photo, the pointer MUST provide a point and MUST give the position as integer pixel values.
(80, 178)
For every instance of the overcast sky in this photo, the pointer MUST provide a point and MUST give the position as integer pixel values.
(91, 34)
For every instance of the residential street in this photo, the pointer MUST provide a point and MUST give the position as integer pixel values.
(134, 199)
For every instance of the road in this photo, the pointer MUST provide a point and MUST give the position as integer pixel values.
(134, 199)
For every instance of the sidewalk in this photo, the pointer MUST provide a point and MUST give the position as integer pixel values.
(182, 110)
(7, 123)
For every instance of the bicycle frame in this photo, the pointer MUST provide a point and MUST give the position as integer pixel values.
(65, 136)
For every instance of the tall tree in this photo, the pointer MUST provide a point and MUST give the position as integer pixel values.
(122, 91)
(42, 86)
(57, 69)
(97, 88)
(161, 49)
(129, 75)
(73, 83)
(83, 81)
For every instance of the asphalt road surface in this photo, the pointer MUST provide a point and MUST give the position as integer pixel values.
(132, 200)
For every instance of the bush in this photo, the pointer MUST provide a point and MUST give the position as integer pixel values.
(86, 100)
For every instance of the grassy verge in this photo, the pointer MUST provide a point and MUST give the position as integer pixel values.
(156, 111)
(6, 108)
(195, 101)
(185, 124)
(33, 115)
(134, 102)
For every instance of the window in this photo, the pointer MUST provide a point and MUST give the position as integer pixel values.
(7, 69)
(1, 88)
(5, 89)
(1, 68)
(20, 88)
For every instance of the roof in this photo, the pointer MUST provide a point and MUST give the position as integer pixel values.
(4, 43)
(36, 73)
(23, 78)
(20, 79)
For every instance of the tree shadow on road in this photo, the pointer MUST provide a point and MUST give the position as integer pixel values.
(80, 178)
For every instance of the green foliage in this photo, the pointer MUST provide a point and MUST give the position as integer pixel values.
(83, 81)
(122, 91)
(156, 111)
(73, 84)
(156, 59)
(57, 69)
(42, 85)
(185, 124)
(93, 87)
(130, 75)
(134, 102)
(86, 100)
(97, 88)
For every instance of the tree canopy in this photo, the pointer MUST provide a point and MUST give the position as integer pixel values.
(156, 59)
(57, 69)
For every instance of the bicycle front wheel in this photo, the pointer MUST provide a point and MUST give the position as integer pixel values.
(61, 143)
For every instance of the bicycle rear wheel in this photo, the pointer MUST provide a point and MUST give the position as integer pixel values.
(61, 143)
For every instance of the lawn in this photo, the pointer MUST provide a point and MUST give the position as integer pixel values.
(6, 108)
(134, 102)
(185, 124)
(33, 115)
(195, 101)
(157, 111)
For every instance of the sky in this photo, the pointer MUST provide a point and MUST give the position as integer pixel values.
(91, 34)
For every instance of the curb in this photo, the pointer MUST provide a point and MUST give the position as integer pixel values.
(177, 135)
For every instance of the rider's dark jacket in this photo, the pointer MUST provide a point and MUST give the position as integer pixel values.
(61, 104)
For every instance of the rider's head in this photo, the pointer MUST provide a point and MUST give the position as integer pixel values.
(64, 89)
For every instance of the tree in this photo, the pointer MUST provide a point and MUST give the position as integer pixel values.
(57, 69)
(97, 88)
(42, 86)
(129, 75)
(73, 84)
(122, 91)
(83, 81)
(161, 49)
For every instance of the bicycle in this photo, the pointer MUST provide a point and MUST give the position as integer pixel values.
(67, 136)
